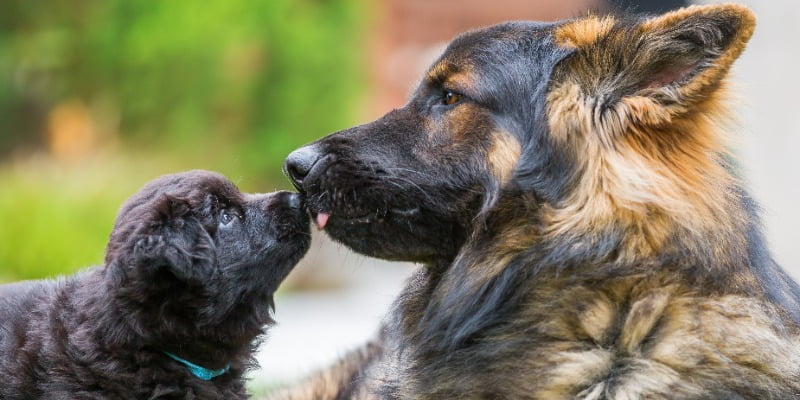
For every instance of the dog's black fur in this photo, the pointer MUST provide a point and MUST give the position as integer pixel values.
(191, 267)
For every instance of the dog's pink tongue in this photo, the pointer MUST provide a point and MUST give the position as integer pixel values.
(322, 220)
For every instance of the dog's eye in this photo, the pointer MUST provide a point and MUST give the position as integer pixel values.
(450, 97)
(226, 217)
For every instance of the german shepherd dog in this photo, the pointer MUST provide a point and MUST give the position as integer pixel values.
(569, 191)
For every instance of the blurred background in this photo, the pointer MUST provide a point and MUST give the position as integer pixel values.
(98, 97)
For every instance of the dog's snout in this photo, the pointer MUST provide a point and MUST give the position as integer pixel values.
(299, 163)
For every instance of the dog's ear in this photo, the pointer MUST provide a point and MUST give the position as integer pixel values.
(648, 72)
(164, 236)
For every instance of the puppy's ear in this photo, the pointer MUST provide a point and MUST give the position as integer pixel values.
(649, 72)
(168, 239)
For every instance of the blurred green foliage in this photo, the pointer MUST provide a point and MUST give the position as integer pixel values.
(56, 222)
(267, 75)
(229, 85)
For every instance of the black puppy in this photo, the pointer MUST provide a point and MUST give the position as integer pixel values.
(186, 290)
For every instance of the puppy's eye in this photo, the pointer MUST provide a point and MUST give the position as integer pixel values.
(226, 217)
(449, 97)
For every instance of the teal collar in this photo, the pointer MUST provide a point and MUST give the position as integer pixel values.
(198, 371)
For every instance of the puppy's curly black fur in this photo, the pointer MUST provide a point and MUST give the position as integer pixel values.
(190, 269)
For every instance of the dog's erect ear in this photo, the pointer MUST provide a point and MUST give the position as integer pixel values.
(651, 70)
(169, 239)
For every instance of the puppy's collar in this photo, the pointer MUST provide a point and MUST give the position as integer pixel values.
(198, 371)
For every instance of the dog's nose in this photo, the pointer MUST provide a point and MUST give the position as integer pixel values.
(299, 163)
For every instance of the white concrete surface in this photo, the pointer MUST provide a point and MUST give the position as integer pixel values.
(768, 80)
(316, 327)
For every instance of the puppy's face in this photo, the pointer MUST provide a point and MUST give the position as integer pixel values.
(191, 249)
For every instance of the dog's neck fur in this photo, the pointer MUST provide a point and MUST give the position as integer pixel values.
(448, 307)
(134, 329)
(504, 260)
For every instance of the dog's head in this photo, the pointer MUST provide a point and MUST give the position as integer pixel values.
(583, 130)
(189, 251)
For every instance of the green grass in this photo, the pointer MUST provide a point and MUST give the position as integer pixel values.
(55, 221)
(259, 390)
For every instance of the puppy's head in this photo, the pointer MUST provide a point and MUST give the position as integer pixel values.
(190, 251)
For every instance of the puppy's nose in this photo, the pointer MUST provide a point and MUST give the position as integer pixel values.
(295, 200)
(299, 163)
(283, 199)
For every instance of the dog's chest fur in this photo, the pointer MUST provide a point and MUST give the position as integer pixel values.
(645, 336)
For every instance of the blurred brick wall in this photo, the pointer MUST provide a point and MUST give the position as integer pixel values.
(409, 34)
